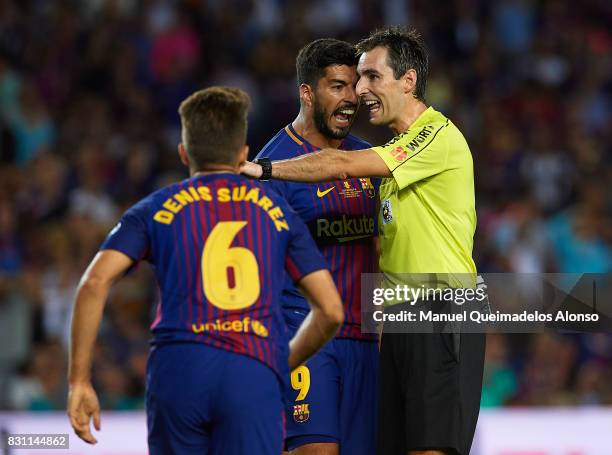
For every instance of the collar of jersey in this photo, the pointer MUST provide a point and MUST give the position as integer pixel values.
(427, 116)
(299, 140)
(216, 174)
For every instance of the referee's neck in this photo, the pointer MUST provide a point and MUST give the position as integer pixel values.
(410, 114)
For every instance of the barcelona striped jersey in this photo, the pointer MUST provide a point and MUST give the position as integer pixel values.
(341, 216)
(220, 244)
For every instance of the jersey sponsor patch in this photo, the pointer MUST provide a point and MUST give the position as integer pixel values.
(387, 213)
(420, 138)
(343, 229)
(399, 154)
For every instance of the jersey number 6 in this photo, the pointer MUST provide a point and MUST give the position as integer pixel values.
(218, 258)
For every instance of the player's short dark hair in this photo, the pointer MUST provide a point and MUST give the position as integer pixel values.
(316, 56)
(406, 50)
(214, 122)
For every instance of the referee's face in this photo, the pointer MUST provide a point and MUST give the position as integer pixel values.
(379, 91)
(335, 101)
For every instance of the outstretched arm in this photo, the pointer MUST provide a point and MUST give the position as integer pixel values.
(323, 166)
(91, 295)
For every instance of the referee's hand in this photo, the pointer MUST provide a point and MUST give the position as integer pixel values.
(251, 169)
(83, 404)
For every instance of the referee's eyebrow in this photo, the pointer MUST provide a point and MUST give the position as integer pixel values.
(368, 71)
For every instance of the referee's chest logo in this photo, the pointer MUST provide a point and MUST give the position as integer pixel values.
(387, 213)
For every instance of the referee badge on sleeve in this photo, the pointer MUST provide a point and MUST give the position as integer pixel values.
(399, 154)
(387, 213)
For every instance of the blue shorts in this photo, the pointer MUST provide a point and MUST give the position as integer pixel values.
(333, 398)
(203, 400)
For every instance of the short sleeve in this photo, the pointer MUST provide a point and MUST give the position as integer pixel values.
(130, 235)
(303, 256)
(415, 155)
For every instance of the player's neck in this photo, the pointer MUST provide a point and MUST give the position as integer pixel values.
(411, 112)
(215, 169)
(305, 127)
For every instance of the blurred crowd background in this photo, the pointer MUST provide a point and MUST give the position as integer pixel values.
(89, 92)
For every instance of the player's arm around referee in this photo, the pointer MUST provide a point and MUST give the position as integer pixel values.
(430, 383)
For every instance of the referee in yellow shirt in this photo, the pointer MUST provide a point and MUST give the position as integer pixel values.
(430, 382)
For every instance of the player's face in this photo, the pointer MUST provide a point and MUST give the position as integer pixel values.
(335, 101)
(379, 91)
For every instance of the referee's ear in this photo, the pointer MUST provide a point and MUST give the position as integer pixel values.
(243, 154)
(410, 80)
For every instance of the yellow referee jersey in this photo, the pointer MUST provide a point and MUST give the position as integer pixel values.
(427, 215)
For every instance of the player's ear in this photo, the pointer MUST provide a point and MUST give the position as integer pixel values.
(409, 80)
(183, 154)
(306, 94)
(243, 154)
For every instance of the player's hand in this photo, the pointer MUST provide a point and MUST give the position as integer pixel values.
(82, 406)
(251, 169)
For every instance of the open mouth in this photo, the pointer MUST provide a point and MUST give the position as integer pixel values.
(344, 115)
(372, 105)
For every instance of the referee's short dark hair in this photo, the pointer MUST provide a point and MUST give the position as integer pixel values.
(214, 124)
(316, 56)
(406, 50)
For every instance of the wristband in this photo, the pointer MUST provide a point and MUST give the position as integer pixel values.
(266, 168)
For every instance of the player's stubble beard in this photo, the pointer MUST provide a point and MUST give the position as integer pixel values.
(320, 120)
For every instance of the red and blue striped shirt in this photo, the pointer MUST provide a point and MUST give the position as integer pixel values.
(342, 219)
(219, 245)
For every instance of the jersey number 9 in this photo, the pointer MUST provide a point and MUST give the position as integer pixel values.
(300, 381)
